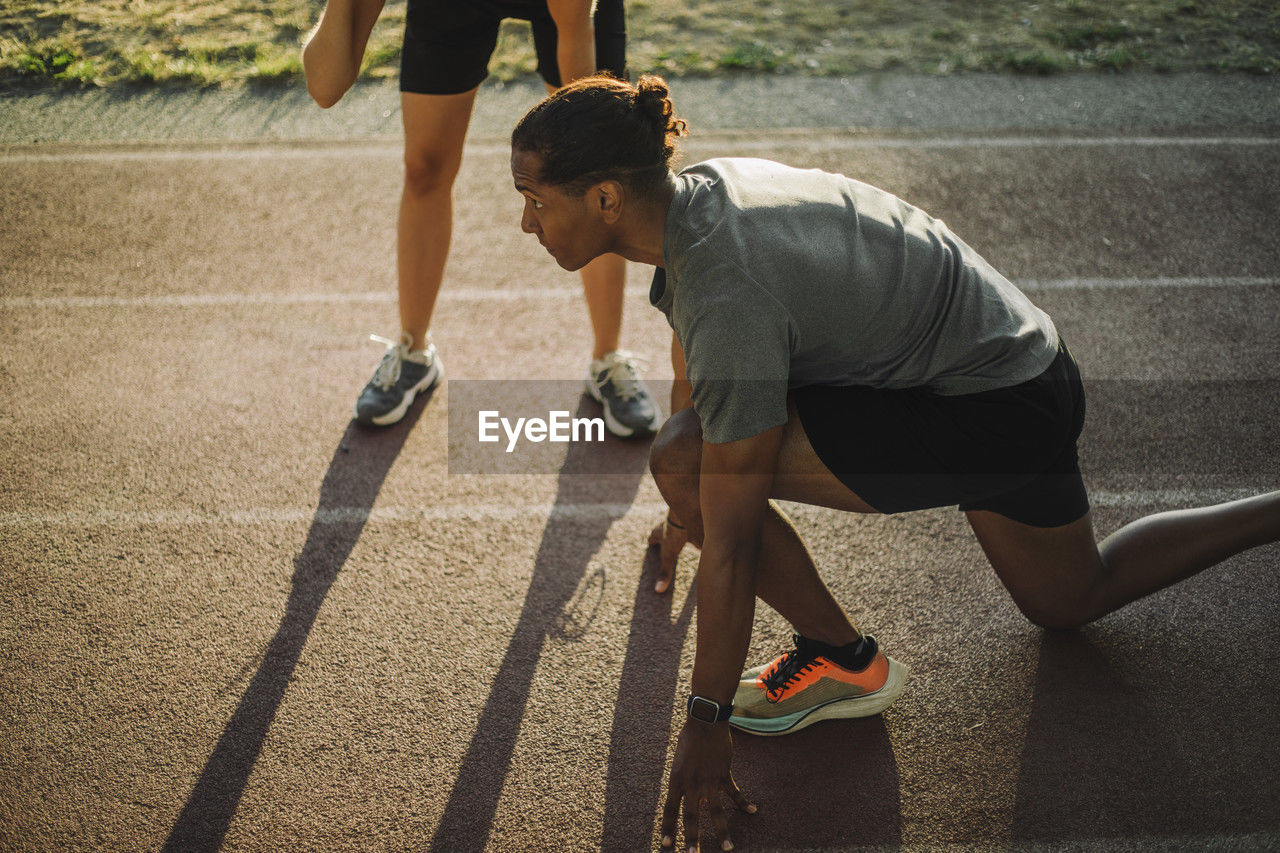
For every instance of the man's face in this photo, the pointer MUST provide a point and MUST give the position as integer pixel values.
(570, 228)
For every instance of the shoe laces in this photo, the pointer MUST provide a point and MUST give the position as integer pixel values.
(388, 372)
(793, 664)
(621, 371)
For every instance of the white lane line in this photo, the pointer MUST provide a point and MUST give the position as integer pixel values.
(262, 516)
(826, 139)
(515, 294)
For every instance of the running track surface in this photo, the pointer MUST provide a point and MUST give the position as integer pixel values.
(233, 619)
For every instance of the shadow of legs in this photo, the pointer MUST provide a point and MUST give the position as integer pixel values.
(568, 544)
(355, 475)
(640, 738)
(833, 785)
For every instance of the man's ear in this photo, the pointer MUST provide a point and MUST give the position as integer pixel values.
(609, 197)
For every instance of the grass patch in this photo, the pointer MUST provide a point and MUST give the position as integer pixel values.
(59, 43)
(755, 55)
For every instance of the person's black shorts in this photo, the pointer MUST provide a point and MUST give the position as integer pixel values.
(448, 43)
(1010, 451)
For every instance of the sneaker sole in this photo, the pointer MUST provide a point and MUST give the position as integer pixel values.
(619, 429)
(430, 380)
(840, 709)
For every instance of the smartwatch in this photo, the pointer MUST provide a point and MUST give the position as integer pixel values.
(708, 710)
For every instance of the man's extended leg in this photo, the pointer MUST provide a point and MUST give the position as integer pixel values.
(1060, 578)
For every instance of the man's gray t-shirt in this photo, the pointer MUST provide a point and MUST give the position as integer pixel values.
(778, 278)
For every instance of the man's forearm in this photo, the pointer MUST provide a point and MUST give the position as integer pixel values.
(681, 390)
(726, 612)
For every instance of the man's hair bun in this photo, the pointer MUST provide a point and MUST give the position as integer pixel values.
(602, 127)
(654, 99)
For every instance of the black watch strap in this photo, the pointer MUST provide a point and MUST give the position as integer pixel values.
(708, 710)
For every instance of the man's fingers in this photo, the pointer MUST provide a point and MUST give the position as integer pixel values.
(672, 543)
(690, 823)
(666, 569)
(721, 822)
(740, 799)
(670, 810)
(670, 546)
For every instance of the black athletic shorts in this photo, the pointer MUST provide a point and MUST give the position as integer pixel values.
(1010, 451)
(448, 43)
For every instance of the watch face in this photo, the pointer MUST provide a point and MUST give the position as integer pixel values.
(703, 709)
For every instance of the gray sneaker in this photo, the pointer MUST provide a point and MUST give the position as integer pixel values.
(629, 410)
(400, 376)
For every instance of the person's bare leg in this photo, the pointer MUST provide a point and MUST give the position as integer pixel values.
(335, 47)
(604, 279)
(1060, 578)
(435, 127)
(603, 284)
(786, 577)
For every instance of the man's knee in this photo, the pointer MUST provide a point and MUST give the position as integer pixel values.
(677, 448)
(1059, 612)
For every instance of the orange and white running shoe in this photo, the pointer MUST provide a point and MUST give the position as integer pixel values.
(804, 686)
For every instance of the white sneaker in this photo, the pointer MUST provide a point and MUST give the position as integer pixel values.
(399, 378)
(629, 409)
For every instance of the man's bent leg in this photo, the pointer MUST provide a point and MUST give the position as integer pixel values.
(786, 578)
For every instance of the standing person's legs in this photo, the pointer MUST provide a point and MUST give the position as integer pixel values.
(603, 285)
(435, 127)
(583, 48)
(604, 279)
(1060, 578)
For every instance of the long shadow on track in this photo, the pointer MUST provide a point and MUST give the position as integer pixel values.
(569, 541)
(857, 766)
(355, 475)
(642, 715)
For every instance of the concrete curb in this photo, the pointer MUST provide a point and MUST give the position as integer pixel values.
(877, 102)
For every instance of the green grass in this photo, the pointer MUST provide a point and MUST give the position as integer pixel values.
(70, 43)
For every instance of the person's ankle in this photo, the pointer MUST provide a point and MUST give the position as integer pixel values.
(854, 655)
(418, 341)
